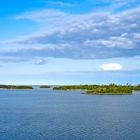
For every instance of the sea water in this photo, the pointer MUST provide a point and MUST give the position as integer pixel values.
(68, 115)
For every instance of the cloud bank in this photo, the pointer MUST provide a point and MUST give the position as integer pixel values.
(95, 35)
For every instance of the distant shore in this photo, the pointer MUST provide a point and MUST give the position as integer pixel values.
(15, 87)
(111, 89)
(22, 86)
(44, 86)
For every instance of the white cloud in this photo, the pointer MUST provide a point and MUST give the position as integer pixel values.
(94, 35)
(111, 67)
(60, 3)
(42, 16)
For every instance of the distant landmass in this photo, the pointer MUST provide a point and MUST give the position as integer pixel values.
(22, 86)
(15, 87)
(111, 89)
(44, 86)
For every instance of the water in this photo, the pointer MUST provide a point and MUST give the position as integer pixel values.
(68, 115)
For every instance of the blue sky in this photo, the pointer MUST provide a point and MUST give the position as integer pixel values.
(69, 42)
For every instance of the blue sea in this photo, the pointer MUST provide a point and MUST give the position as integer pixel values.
(68, 115)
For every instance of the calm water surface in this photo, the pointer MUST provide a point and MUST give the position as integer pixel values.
(68, 115)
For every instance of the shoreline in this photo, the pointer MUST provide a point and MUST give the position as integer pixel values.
(111, 89)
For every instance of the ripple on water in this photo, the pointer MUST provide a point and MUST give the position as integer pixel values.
(57, 115)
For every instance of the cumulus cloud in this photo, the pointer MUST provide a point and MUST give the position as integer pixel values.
(94, 35)
(111, 67)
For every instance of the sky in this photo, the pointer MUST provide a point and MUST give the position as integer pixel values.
(66, 42)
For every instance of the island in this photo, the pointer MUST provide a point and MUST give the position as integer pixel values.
(15, 87)
(44, 86)
(111, 89)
